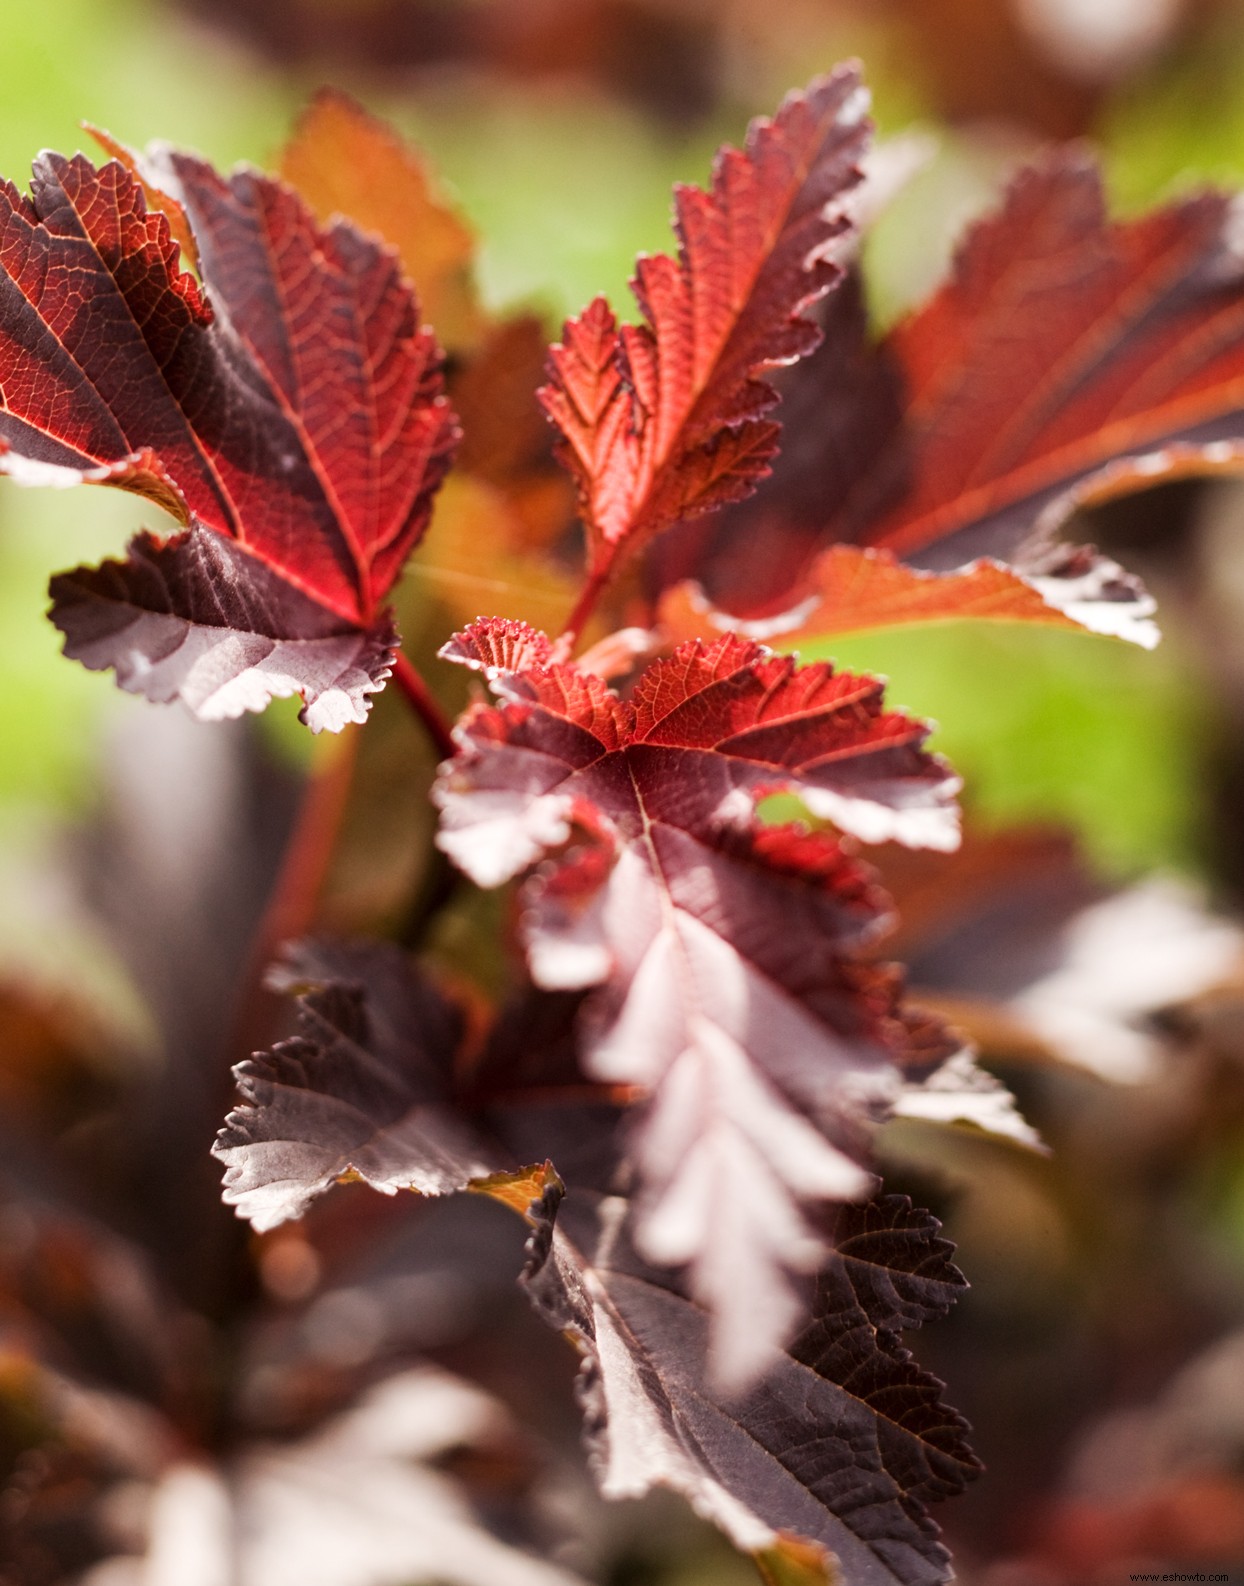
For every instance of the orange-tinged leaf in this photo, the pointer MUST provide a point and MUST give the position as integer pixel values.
(519, 1190)
(162, 202)
(854, 588)
(505, 439)
(344, 161)
(472, 559)
(792, 1562)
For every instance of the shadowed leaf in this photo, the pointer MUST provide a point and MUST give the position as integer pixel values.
(199, 620)
(363, 1091)
(856, 588)
(843, 1442)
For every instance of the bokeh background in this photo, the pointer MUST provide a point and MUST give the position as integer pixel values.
(1086, 936)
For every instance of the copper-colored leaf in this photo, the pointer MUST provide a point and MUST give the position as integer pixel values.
(344, 161)
(856, 588)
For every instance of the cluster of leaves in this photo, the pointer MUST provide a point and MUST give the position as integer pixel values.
(680, 1094)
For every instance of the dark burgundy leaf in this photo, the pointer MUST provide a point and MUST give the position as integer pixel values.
(724, 950)
(199, 619)
(362, 1091)
(897, 1262)
(845, 1440)
(667, 419)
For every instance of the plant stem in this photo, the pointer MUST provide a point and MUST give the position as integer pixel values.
(424, 706)
(309, 852)
(293, 900)
(584, 606)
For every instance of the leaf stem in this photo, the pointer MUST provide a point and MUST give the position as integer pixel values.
(577, 620)
(423, 704)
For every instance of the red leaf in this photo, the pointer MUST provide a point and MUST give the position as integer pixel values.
(328, 318)
(304, 417)
(665, 420)
(724, 950)
(1068, 359)
(199, 620)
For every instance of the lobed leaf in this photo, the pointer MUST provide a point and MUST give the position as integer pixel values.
(362, 1091)
(200, 620)
(1068, 359)
(344, 161)
(667, 419)
(724, 952)
(331, 328)
(842, 1443)
(290, 405)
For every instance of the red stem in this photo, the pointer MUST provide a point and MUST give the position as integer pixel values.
(424, 706)
(584, 606)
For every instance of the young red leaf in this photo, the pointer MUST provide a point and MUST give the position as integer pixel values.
(1068, 359)
(292, 405)
(842, 1444)
(667, 419)
(723, 949)
(363, 1091)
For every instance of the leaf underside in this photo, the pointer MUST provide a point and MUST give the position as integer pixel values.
(363, 1090)
(200, 620)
